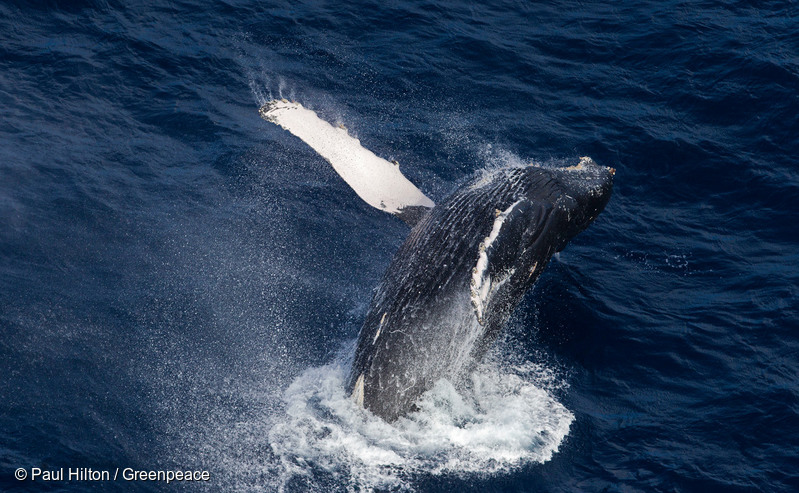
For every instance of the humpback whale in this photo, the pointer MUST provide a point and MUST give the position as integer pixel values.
(465, 265)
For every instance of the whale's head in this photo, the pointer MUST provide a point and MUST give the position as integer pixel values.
(583, 191)
(537, 210)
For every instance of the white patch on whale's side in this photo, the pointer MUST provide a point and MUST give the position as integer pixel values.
(377, 181)
(357, 392)
(379, 328)
(483, 286)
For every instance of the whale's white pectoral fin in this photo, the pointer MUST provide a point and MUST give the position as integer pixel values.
(377, 181)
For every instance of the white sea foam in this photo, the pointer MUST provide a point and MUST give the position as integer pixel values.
(497, 419)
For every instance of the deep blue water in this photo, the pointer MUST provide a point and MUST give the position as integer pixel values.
(171, 264)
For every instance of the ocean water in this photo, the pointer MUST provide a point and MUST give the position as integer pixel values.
(182, 283)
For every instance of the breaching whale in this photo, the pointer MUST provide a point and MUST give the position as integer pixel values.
(465, 265)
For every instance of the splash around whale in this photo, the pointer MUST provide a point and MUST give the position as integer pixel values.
(464, 267)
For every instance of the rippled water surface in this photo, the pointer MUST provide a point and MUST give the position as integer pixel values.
(181, 282)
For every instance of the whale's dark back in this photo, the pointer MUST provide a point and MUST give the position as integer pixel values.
(422, 325)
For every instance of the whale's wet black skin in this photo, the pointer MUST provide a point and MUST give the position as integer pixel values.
(464, 267)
